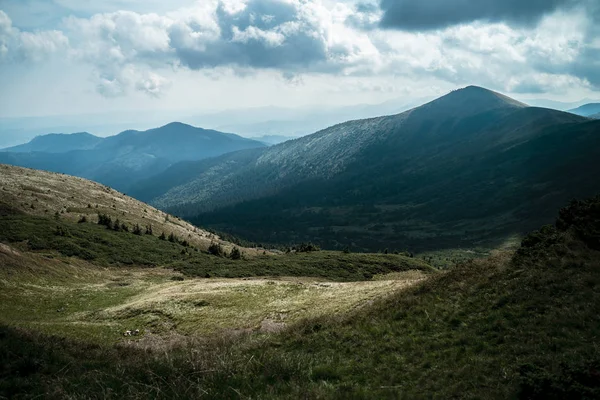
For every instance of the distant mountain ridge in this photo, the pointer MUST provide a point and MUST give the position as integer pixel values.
(472, 164)
(57, 143)
(587, 110)
(121, 160)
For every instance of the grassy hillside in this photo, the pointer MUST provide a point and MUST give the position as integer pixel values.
(42, 200)
(521, 325)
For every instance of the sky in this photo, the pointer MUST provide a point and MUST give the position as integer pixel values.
(67, 57)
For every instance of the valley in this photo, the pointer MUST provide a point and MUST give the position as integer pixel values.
(405, 256)
(300, 199)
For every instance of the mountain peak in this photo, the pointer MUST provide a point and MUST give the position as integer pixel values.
(470, 100)
(487, 97)
(176, 124)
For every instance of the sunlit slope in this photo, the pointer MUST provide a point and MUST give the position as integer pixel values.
(52, 195)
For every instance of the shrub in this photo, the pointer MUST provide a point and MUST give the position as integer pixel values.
(236, 254)
(216, 249)
(82, 220)
(104, 219)
(307, 248)
(137, 230)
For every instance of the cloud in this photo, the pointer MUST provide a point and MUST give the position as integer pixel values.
(16, 45)
(420, 15)
(130, 51)
(290, 36)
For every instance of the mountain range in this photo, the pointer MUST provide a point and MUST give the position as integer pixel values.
(591, 110)
(469, 168)
(121, 160)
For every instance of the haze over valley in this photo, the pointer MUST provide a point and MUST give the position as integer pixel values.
(292, 199)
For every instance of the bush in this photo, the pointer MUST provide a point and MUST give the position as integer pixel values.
(583, 217)
(137, 230)
(306, 248)
(236, 254)
(216, 249)
(60, 231)
(82, 220)
(104, 219)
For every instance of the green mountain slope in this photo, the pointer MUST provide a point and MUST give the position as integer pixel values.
(120, 161)
(469, 168)
(522, 326)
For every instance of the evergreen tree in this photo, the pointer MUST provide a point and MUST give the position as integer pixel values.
(236, 254)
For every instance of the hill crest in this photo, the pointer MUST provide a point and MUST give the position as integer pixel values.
(48, 194)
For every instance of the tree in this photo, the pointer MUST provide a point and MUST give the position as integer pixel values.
(137, 230)
(236, 254)
(306, 248)
(117, 225)
(216, 249)
(163, 236)
(82, 220)
(149, 230)
(105, 220)
(172, 238)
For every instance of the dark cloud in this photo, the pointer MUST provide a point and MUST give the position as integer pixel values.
(415, 15)
(266, 34)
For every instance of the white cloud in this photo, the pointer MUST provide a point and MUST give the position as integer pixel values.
(129, 51)
(16, 45)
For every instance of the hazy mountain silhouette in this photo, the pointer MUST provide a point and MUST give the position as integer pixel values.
(468, 165)
(121, 160)
(58, 143)
(587, 110)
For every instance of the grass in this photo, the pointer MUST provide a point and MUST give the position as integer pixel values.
(104, 247)
(82, 302)
(44, 194)
(512, 326)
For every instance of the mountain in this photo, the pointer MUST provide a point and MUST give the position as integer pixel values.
(557, 105)
(51, 196)
(57, 143)
(467, 169)
(119, 161)
(273, 139)
(299, 121)
(587, 110)
(595, 116)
